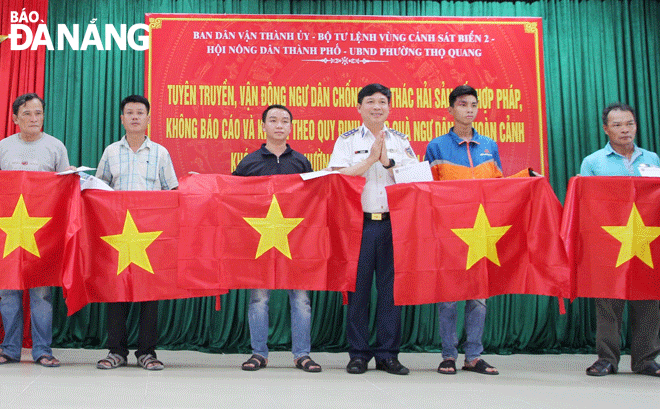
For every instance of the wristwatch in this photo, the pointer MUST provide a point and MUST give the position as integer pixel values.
(391, 165)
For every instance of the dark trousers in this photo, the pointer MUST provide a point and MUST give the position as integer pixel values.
(376, 254)
(645, 324)
(118, 335)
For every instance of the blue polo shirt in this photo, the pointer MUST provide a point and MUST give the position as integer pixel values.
(608, 162)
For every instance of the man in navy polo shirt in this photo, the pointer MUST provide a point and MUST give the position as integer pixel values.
(275, 157)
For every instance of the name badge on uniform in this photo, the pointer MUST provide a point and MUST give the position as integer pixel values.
(362, 151)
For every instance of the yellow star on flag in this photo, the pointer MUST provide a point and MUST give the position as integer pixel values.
(132, 245)
(481, 239)
(635, 238)
(274, 229)
(20, 229)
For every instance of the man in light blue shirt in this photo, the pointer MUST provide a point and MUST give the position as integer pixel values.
(621, 157)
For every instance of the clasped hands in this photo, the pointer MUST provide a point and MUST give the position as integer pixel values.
(379, 150)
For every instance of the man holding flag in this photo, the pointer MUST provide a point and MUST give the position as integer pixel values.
(621, 157)
(30, 150)
(135, 163)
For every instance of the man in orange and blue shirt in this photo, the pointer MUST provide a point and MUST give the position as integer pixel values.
(463, 154)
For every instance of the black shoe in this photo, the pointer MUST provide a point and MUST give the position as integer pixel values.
(357, 366)
(393, 366)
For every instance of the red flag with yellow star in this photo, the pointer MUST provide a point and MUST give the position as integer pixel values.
(39, 218)
(471, 239)
(611, 227)
(128, 249)
(270, 232)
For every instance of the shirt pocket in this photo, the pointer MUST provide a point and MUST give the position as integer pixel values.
(147, 170)
(359, 156)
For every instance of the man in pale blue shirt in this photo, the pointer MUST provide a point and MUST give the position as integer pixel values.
(621, 157)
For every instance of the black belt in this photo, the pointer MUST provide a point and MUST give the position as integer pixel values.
(377, 216)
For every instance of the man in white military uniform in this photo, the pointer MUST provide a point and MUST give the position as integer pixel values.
(372, 151)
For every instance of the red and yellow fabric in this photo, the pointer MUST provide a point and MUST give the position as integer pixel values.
(611, 229)
(271, 232)
(127, 250)
(471, 239)
(39, 219)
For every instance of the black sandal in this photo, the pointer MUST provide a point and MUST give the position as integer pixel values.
(601, 368)
(255, 363)
(7, 359)
(481, 367)
(309, 365)
(447, 364)
(651, 369)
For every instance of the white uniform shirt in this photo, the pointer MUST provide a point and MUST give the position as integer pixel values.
(354, 146)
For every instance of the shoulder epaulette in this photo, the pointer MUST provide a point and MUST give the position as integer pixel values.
(399, 134)
(349, 133)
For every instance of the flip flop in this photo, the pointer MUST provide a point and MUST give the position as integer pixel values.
(48, 361)
(8, 359)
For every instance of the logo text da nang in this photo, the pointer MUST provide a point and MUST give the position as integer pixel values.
(22, 36)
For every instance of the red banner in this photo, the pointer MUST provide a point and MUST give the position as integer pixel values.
(470, 239)
(127, 245)
(39, 218)
(209, 77)
(273, 232)
(611, 228)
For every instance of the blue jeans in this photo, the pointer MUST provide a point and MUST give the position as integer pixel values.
(475, 317)
(41, 311)
(301, 318)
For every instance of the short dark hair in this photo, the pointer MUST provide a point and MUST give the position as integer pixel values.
(134, 98)
(369, 90)
(460, 91)
(22, 99)
(275, 106)
(617, 106)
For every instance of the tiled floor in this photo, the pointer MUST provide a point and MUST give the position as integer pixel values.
(198, 380)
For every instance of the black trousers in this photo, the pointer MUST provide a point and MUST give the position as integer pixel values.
(645, 324)
(118, 334)
(376, 254)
